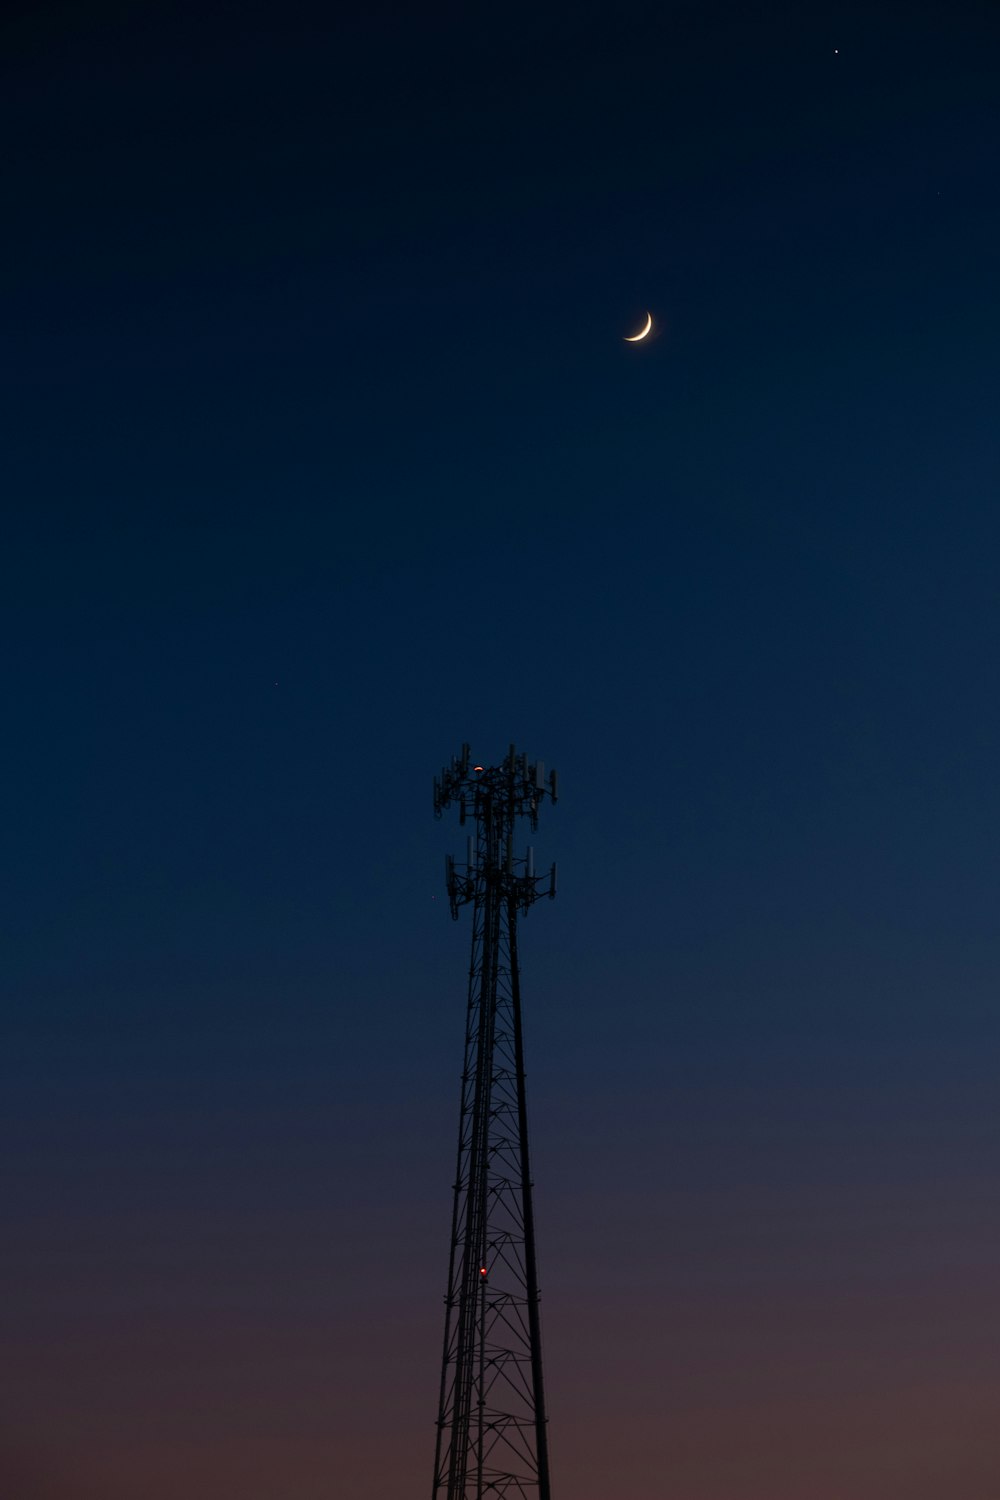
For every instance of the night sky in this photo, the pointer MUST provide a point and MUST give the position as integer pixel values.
(322, 452)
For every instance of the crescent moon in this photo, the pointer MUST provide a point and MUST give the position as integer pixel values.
(635, 337)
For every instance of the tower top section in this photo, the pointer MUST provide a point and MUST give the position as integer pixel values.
(492, 799)
(520, 784)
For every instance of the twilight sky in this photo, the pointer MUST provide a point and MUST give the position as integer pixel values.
(322, 453)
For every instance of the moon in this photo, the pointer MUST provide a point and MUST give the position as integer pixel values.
(635, 337)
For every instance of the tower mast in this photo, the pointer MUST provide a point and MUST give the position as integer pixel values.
(491, 1433)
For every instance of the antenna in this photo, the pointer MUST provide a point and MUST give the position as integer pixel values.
(492, 1441)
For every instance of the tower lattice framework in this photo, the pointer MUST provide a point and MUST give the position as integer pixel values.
(491, 1441)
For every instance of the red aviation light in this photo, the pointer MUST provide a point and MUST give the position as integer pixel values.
(477, 769)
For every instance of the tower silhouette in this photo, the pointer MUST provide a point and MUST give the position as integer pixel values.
(491, 1438)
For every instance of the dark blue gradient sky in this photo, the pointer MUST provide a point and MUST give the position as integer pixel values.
(322, 453)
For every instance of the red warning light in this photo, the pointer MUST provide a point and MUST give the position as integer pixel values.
(482, 1270)
(477, 768)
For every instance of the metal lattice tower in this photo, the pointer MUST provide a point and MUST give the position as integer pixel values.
(491, 1439)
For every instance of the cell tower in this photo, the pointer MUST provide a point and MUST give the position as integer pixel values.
(491, 1439)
